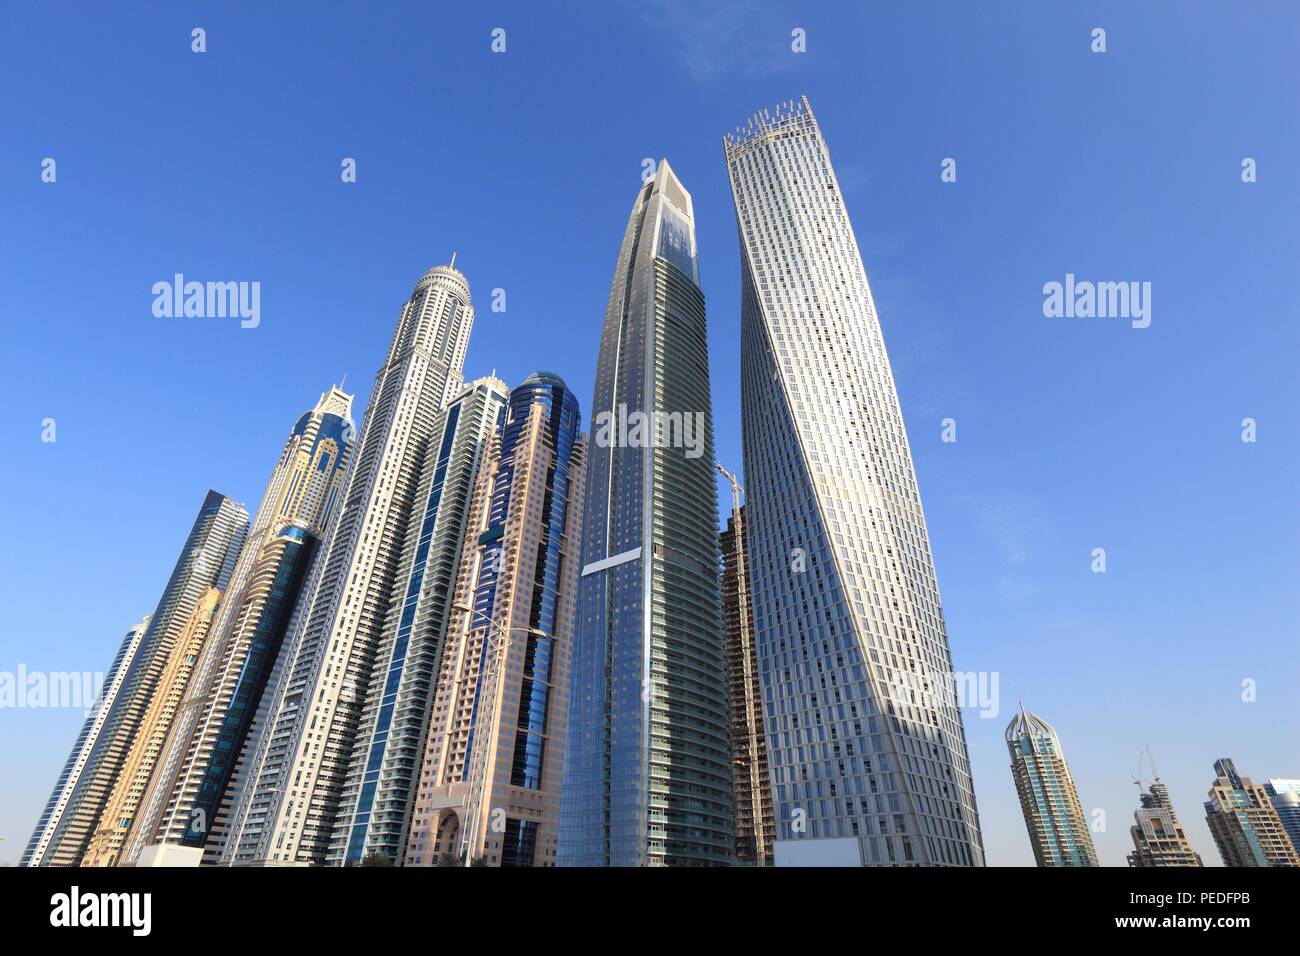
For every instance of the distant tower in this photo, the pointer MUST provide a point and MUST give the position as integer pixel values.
(187, 803)
(1057, 827)
(1158, 837)
(1285, 797)
(1244, 823)
(207, 561)
(491, 768)
(120, 809)
(751, 788)
(286, 813)
(34, 855)
(647, 775)
(380, 787)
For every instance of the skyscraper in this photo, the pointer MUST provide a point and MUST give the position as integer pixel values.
(1245, 825)
(1285, 797)
(751, 787)
(82, 749)
(1058, 830)
(207, 561)
(648, 776)
(516, 593)
(380, 786)
(186, 804)
(867, 749)
(120, 808)
(285, 814)
(1158, 837)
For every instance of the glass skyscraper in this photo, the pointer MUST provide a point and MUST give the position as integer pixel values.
(286, 812)
(120, 809)
(648, 779)
(187, 803)
(1058, 829)
(82, 749)
(866, 746)
(380, 786)
(1285, 797)
(518, 580)
(207, 561)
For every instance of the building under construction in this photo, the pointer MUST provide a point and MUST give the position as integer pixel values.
(751, 789)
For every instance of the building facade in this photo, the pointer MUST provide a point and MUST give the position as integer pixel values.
(82, 748)
(207, 561)
(1158, 837)
(118, 816)
(648, 776)
(1244, 823)
(501, 705)
(380, 787)
(188, 799)
(1058, 829)
(286, 813)
(1285, 797)
(750, 785)
(865, 741)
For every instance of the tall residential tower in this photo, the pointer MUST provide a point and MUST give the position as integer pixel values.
(1244, 823)
(64, 787)
(379, 790)
(183, 816)
(490, 782)
(648, 776)
(1058, 830)
(118, 816)
(867, 749)
(207, 561)
(285, 815)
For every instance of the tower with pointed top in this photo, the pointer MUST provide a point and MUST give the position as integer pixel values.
(865, 738)
(183, 815)
(647, 772)
(286, 813)
(1058, 829)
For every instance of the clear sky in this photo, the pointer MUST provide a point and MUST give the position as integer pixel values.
(1072, 433)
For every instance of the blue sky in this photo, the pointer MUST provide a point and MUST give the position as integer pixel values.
(1072, 434)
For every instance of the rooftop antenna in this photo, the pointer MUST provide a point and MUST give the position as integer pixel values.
(344, 382)
(453, 260)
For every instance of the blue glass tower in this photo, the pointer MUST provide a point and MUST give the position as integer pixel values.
(648, 774)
